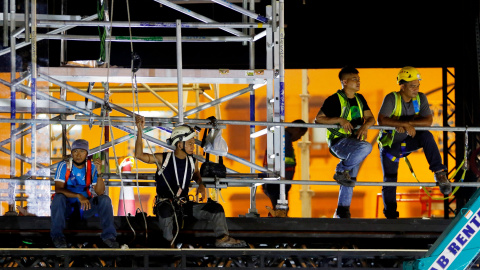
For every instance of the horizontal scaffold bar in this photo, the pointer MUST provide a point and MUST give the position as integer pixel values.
(147, 180)
(56, 31)
(158, 121)
(144, 39)
(59, 23)
(165, 76)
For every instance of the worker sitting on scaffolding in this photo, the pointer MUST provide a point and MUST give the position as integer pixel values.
(73, 197)
(174, 173)
(405, 110)
(350, 110)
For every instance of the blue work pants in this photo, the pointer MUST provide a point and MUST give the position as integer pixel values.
(61, 208)
(351, 153)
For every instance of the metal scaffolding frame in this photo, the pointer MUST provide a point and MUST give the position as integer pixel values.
(272, 77)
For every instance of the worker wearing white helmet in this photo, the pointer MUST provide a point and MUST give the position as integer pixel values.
(174, 173)
(405, 110)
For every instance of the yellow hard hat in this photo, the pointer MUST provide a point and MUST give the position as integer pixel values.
(408, 74)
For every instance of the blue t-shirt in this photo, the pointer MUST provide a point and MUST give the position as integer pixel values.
(77, 181)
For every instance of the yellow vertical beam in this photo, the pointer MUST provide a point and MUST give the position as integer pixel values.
(160, 98)
(305, 192)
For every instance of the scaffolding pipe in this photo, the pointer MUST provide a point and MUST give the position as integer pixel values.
(20, 157)
(23, 44)
(197, 16)
(241, 10)
(63, 45)
(179, 72)
(60, 23)
(218, 101)
(23, 131)
(252, 211)
(5, 23)
(33, 95)
(84, 94)
(41, 95)
(13, 75)
(168, 104)
(27, 21)
(144, 38)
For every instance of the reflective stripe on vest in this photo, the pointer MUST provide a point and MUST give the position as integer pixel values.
(385, 137)
(290, 161)
(345, 113)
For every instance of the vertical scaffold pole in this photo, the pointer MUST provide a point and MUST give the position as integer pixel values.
(179, 72)
(13, 76)
(282, 202)
(13, 141)
(34, 87)
(253, 190)
(27, 21)
(5, 23)
(270, 85)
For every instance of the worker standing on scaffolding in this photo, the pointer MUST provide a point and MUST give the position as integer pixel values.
(74, 199)
(350, 110)
(174, 172)
(405, 110)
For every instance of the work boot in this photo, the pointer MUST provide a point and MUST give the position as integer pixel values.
(344, 179)
(342, 212)
(276, 212)
(228, 242)
(59, 242)
(391, 214)
(111, 243)
(444, 184)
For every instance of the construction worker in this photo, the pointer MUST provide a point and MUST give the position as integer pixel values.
(406, 109)
(73, 197)
(350, 110)
(174, 173)
(292, 134)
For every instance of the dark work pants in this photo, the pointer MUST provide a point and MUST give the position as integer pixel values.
(422, 139)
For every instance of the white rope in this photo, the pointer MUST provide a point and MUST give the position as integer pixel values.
(135, 126)
(106, 99)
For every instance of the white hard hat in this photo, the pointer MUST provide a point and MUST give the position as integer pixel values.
(181, 134)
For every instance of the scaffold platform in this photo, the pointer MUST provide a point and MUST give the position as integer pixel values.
(273, 242)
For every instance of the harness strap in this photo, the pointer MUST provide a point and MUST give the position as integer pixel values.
(165, 163)
(410, 167)
(403, 148)
(88, 175)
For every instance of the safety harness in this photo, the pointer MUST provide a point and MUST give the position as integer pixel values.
(177, 200)
(385, 138)
(88, 175)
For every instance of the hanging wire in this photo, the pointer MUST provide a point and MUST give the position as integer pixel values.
(106, 105)
(135, 91)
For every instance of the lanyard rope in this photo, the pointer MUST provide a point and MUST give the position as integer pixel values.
(426, 191)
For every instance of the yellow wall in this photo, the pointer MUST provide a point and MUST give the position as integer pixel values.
(375, 84)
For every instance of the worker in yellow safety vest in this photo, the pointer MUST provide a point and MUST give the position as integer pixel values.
(406, 109)
(350, 111)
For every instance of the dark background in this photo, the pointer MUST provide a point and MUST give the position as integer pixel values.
(319, 34)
